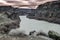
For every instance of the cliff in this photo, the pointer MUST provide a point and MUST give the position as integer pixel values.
(49, 11)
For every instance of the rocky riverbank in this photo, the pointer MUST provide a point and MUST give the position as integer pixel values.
(49, 11)
(8, 21)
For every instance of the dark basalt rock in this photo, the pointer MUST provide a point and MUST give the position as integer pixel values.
(32, 32)
(54, 35)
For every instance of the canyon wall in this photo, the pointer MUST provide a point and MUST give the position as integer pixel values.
(49, 11)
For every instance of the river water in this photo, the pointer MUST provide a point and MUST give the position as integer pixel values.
(31, 24)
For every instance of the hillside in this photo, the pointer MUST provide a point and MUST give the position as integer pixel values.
(49, 11)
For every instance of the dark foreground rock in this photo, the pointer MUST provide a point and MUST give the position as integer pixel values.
(54, 35)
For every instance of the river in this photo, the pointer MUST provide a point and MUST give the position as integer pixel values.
(31, 24)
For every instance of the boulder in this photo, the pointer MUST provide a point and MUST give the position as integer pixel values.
(32, 32)
(54, 35)
(41, 33)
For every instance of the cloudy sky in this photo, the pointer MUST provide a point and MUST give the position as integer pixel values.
(23, 3)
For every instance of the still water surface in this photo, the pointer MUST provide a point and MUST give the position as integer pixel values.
(31, 24)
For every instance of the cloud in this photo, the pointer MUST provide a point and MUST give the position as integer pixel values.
(23, 3)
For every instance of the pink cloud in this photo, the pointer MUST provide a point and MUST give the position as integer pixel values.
(23, 3)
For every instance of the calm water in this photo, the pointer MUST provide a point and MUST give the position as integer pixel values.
(30, 24)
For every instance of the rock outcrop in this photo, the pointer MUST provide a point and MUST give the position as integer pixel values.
(8, 21)
(49, 11)
(54, 35)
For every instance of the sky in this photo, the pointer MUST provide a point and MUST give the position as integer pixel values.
(23, 3)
